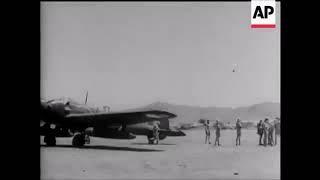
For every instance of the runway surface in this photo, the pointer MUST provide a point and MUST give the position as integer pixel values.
(174, 158)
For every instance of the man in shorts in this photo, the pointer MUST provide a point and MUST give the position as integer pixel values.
(207, 131)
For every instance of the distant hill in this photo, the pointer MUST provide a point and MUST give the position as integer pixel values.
(192, 114)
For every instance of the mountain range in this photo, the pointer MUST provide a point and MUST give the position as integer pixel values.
(192, 114)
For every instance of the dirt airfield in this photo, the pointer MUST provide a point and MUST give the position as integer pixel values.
(174, 158)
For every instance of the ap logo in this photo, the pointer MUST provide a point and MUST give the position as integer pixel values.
(263, 14)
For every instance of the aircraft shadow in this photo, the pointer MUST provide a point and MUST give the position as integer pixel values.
(102, 147)
(152, 144)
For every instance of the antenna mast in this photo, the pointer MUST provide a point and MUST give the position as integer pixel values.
(86, 98)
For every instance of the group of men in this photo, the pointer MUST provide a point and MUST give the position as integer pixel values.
(266, 130)
(217, 127)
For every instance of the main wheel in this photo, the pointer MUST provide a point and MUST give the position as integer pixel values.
(50, 140)
(150, 139)
(87, 139)
(78, 140)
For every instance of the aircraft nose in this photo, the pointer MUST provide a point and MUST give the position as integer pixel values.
(44, 110)
(52, 110)
(43, 106)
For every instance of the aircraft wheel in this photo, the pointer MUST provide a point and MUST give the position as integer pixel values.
(87, 139)
(50, 140)
(78, 140)
(150, 141)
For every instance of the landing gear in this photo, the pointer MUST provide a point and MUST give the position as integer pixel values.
(78, 140)
(150, 140)
(87, 139)
(50, 140)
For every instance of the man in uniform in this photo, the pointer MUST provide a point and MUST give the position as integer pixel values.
(260, 131)
(270, 133)
(207, 131)
(218, 128)
(277, 129)
(238, 128)
(156, 132)
(265, 126)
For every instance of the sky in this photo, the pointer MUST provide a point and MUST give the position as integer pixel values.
(131, 54)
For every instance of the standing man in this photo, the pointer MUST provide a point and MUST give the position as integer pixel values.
(218, 128)
(207, 131)
(265, 126)
(238, 128)
(156, 132)
(260, 131)
(277, 129)
(270, 133)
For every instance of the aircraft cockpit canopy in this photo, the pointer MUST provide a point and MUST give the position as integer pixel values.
(63, 100)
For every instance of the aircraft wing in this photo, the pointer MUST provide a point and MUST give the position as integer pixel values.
(106, 119)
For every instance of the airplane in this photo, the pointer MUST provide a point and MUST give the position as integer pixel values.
(65, 117)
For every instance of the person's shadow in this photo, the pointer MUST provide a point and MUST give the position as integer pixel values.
(103, 147)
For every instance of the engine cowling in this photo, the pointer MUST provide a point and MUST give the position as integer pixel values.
(162, 136)
(53, 111)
